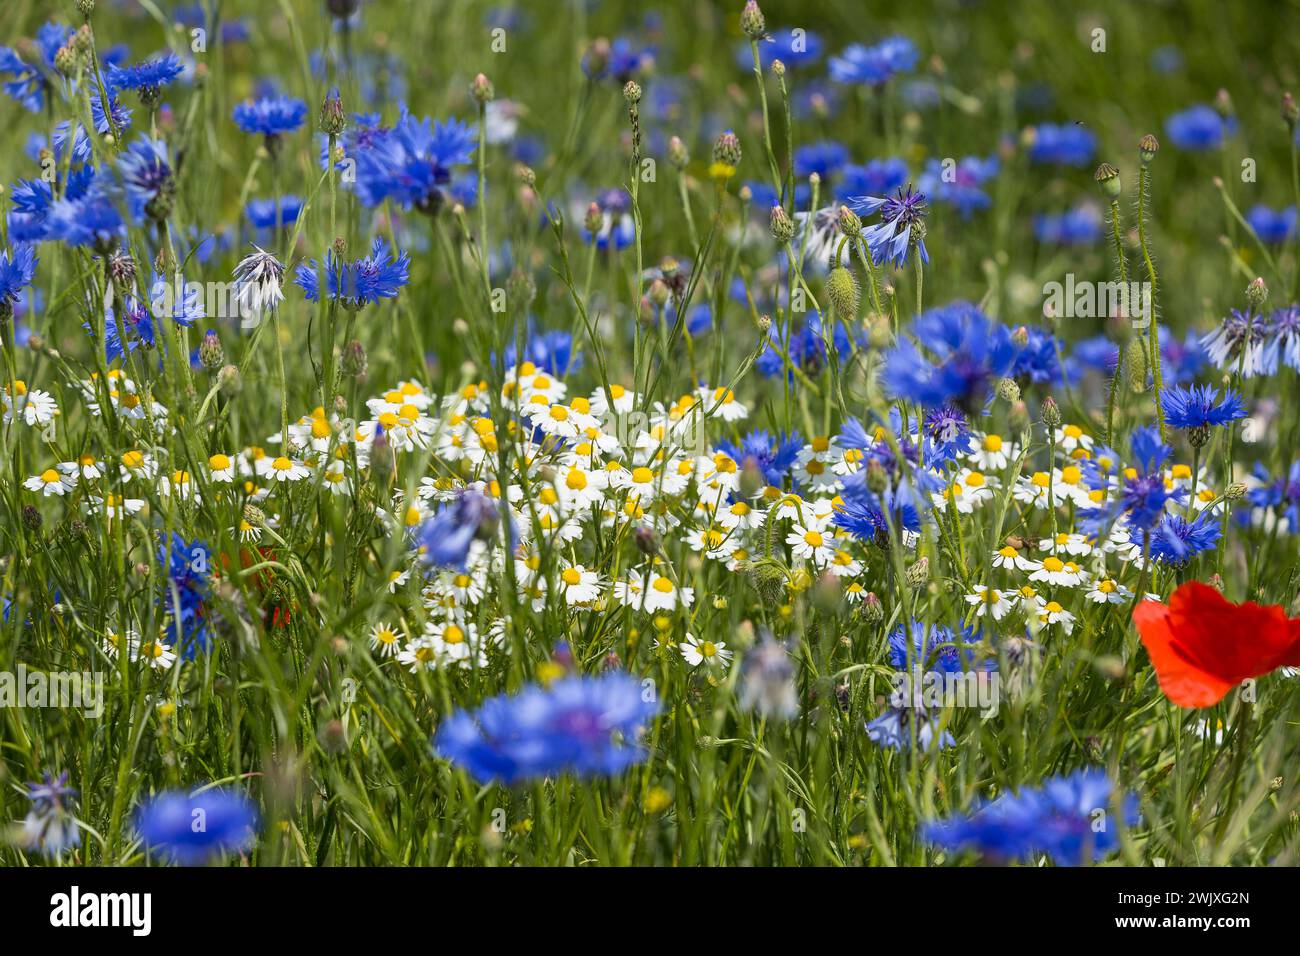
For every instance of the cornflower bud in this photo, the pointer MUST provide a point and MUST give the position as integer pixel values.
(752, 21)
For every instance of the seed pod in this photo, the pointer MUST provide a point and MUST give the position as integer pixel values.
(842, 289)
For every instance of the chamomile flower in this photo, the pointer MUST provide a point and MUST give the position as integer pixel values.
(156, 654)
(418, 654)
(844, 565)
(86, 467)
(51, 482)
(578, 585)
(282, 468)
(721, 401)
(221, 468)
(1108, 591)
(1064, 543)
(385, 640)
(36, 408)
(988, 600)
(1071, 438)
(1010, 559)
(708, 653)
(992, 453)
(114, 506)
(1057, 572)
(1052, 613)
(811, 544)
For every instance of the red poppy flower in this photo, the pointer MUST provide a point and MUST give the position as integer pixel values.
(1202, 645)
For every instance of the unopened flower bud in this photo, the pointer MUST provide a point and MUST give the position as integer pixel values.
(1135, 365)
(632, 92)
(677, 154)
(1008, 390)
(1257, 291)
(1290, 111)
(333, 119)
(595, 219)
(1223, 103)
(782, 225)
(842, 290)
(726, 149)
(1148, 146)
(873, 612)
(849, 222)
(481, 89)
(229, 381)
(1051, 412)
(918, 574)
(353, 362)
(1107, 177)
(211, 355)
(752, 21)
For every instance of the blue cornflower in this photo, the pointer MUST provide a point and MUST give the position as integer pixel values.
(270, 116)
(962, 187)
(445, 538)
(50, 826)
(588, 726)
(1198, 128)
(552, 352)
(1182, 359)
(892, 730)
(356, 284)
(29, 83)
(1281, 493)
(619, 61)
(1039, 359)
(187, 564)
(267, 215)
(617, 230)
(1143, 498)
(879, 177)
(773, 457)
(890, 240)
(1059, 819)
(1065, 145)
(17, 269)
(1285, 324)
(1243, 343)
(874, 65)
(135, 323)
(932, 647)
(147, 78)
(90, 218)
(174, 298)
(413, 163)
(789, 47)
(1098, 353)
(146, 174)
(822, 158)
(972, 352)
(807, 349)
(1081, 226)
(949, 434)
(1176, 540)
(1200, 407)
(192, 829)
(1272, 227)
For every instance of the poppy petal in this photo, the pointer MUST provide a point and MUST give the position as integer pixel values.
(1183, 681)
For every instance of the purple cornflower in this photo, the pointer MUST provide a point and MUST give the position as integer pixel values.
(949, 434)
(49, 827)
(772, 456)
(962, 187)
(971, 353)
(891, 239)
(1176, 540)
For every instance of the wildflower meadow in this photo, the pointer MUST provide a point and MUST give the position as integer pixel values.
(595, 433)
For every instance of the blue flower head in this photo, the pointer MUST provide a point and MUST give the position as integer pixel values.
(772, 456)
(147, 178)
(1059, 819)
(971, 352)
(190, 830)
(1176, 540)
(359, 283)
(874, 65)
(588, 726)
(1065, 145)
(270, 116)
(147, 78)
(187, 565)
(891, 239)
(28, 83)
(1198, 128)
(17, 269)
(1200, 407)
(413, 163)
(445, 539)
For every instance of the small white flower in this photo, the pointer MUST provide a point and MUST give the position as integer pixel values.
(988, 600)
(709, 653)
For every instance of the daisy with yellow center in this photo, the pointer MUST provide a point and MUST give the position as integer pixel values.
(385, 640)
(1108, 591)
(50, 482)
(1057, 572)
(708, 653)
(988, 600)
